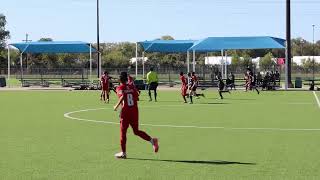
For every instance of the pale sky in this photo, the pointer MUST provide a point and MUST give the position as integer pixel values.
(138, 20)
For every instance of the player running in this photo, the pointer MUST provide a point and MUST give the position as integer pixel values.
(184, 86)
(129, 115)
(191, 88)
(221, 86)
(105, 87)
(251, 81)
(196, 84)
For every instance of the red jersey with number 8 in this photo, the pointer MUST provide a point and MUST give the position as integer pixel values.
(130, 98)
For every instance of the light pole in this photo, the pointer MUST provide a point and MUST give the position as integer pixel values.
(98, 40)
(288, 45)
(313, 63)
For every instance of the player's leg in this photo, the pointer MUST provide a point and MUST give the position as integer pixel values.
(184, 99)
(220, 94)
(108, 95)
(155, 94)
(149, 91)
(255, 87)
(124, 124)
(190, 96)
(184, 94)
(143, 135)
(104, 94)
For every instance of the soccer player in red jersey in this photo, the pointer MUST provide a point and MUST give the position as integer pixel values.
(105, 89)
(184, 86)
(129, 115)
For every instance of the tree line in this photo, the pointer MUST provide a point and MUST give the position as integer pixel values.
(118, 55)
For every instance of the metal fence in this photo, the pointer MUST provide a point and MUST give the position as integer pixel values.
(166, 73)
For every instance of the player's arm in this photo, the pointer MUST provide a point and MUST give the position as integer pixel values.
(118, 103)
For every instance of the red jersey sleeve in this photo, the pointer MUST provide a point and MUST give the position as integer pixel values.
(119, 91)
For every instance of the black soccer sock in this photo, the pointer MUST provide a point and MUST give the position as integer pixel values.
(184, 98)
(108, 96)
(257, 90)
(155, 95)
(220, 93)
(190, 99)
(150, 95)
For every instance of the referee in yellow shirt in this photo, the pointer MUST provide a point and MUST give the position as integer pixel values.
(152, 80)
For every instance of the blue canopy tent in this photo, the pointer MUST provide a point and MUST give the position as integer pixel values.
(163, 46)
(52, 47)
(212, 44)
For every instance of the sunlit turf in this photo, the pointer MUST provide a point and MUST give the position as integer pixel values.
(245, 136)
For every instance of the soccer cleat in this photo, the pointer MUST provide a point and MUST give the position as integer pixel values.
(121, 155)
(155, 145)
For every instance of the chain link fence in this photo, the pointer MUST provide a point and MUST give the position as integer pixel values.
(167, 74)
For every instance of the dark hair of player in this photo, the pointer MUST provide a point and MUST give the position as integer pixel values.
(151, 69)
(123, 77)
(181, 73)
(189, 74)
(105, 72)
(193, 73)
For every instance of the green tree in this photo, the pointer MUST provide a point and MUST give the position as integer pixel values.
(4, 35)
(267, 62)
(44, 39)
(307, 65)
(167, 37)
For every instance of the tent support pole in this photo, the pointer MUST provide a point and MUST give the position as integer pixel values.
(9, 63)
(286, 85)
(194, 61)
(100, 67)
(21, 67)
(90, 59)
(188, 61)
(222, 73)
(136, 60)
(143, 65)
(226, 66)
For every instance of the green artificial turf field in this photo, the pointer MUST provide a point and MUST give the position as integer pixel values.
(274, 135)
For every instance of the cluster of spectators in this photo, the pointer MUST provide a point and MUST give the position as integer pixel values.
(269, 81)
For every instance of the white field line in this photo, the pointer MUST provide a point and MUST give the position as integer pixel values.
(68, 115)
(317, 99)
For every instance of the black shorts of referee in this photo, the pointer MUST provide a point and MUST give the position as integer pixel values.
(153, 86)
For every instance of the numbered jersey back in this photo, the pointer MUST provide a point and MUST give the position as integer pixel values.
(129, 94)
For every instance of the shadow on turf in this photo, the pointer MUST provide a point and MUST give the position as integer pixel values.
(234, 99)
(195, 162)
(215, 103)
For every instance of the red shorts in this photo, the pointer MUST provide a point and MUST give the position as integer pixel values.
(184, 90)
(129, 118)
(105, 87)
